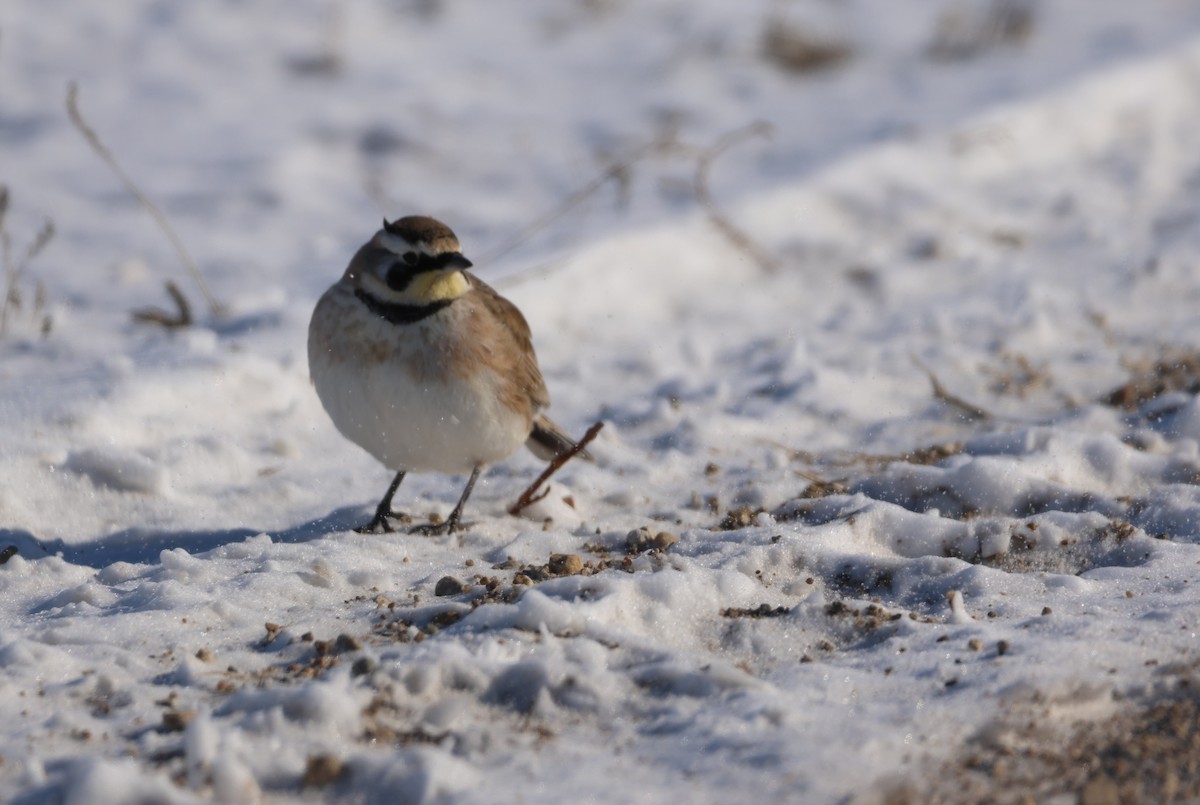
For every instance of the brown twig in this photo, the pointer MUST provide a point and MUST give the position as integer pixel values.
(970, 411)
(160, 218)
(7, 257)
(529, 496)
(618, 172)
(868, 462)
(6, 261)
(720, 220)
(181, 318)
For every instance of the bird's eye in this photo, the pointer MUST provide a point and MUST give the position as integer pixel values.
(410, 258)
(398, 277)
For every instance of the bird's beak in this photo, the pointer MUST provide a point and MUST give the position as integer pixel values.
(455, 262)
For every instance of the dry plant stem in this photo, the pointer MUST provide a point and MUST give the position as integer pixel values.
(529, 495)
(10, 271)
(618, 171)
(1001, 22)
(159, 217)
(866, 462)
(16, 272)
(970, 411)
(181, 318)
(44, 235)
(3, 214)
(13, 272)
(720, 220)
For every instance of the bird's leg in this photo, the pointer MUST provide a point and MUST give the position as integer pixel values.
(454, 521)
(384, 510)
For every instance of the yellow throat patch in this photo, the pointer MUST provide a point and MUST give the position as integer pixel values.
(436, 286)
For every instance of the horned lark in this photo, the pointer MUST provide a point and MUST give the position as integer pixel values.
(424, 366)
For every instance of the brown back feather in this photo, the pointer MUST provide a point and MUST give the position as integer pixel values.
(525, 374)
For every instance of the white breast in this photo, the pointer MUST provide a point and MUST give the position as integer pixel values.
(388, 388)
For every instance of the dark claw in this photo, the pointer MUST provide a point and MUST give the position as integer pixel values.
(454, 521)
(377, 525)
(437, 529)
(380, 523)
(383, 512)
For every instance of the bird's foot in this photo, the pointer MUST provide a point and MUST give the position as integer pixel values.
(434, 529)
(381, 523)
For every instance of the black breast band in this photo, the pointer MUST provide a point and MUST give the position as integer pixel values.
(400, 314)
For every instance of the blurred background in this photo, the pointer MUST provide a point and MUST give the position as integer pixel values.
(275, 135)
(619, 168)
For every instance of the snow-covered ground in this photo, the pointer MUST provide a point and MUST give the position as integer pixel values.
(924, 553)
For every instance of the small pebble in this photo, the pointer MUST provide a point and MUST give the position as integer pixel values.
(663, 540)
(636, 540)
(176, 720)
(321, 770)
(448, 585)
(565, 564)
(643, 539)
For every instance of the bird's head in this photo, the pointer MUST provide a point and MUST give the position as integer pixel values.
(414, 260)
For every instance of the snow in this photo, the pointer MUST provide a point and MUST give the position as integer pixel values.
(868, 577)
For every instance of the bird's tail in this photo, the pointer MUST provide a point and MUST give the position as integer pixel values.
(548, 441)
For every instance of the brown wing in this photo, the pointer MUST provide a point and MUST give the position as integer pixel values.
(526, 376)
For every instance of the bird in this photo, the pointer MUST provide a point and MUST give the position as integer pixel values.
(425, 366)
